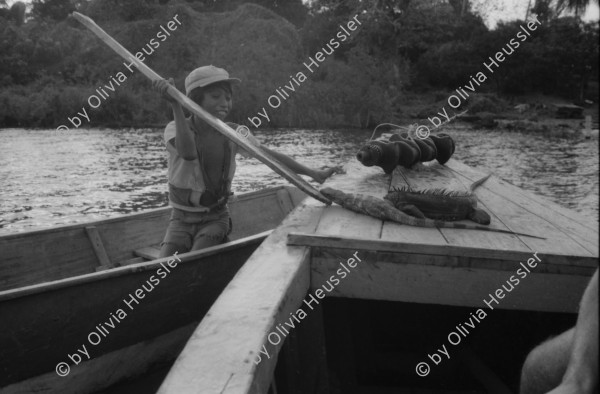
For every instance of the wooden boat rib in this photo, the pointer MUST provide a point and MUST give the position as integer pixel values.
(44, 323)
(399, 263)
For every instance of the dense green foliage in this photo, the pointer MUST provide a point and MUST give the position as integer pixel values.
(50, 65)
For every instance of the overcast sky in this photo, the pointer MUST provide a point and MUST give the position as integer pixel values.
(502, 9)
(516, 9)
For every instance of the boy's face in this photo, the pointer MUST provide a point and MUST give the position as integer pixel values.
(217, 101)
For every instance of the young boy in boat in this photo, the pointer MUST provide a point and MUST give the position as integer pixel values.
(202, 164)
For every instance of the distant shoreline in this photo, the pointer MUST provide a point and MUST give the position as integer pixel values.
(532, 113)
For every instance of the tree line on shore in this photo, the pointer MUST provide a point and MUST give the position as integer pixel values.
(50, 65)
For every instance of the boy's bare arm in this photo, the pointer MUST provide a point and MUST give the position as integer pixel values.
(318, 175)
(184, 138)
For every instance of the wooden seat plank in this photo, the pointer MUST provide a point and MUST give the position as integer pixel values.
(134, 260)
(149, 252)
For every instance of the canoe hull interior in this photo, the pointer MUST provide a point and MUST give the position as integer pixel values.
(134, 315)
(46, 327)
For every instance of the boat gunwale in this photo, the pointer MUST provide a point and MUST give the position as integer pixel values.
(323, 241)
(130, 269)
(132, 216)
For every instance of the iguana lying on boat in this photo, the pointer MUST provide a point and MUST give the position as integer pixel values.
(385, 210)
(440, 204)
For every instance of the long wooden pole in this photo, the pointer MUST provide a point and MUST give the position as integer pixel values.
(239, 136)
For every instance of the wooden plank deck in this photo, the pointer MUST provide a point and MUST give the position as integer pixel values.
(398, 263)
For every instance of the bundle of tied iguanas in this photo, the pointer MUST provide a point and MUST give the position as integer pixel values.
(436, 208)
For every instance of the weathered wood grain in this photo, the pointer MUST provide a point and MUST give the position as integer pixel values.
(358, 179)
(399, 263)
(447, 250)
(442, 177)
(576, 227)
(220, 356)
(418, 282)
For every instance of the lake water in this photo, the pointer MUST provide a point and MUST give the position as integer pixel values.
(51, 178)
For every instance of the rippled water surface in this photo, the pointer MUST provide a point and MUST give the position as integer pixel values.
(50, 179)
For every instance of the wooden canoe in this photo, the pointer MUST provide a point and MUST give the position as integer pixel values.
(54, 297)
(413, 286)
